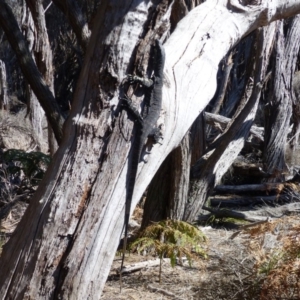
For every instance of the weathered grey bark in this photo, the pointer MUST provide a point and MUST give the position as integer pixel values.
(238, 81)
(65, 244)
(39, 45)
(221, 123)
(225, 213)
(168, 190)
(3, 87)
(30, 70)
(278, 109)
(34, 109)
(249, 188)
(296, 107)
(166, 198)
(254, 215)
(223, 86)
(226, 148)
(237, 201)
(76, 19)
(42, 54)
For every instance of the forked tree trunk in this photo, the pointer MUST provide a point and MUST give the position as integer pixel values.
(64, 245)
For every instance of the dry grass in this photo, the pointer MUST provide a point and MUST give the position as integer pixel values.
(247, 267)
(280, 266)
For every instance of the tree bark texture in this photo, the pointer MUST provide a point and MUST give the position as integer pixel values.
(30, 70)
(227, 147)
(65, 243)
(35, 111)
(3, 87)
(168, 190)
(76, 19)
(278, 110)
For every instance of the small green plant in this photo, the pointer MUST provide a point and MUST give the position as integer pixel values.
(172, 239)
(33, 164)
(271, 263)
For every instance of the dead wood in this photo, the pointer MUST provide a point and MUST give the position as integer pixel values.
(226, 213)
(229, 201)
(260, 215)
(160, 290)
(249, 169)
(221, 122)
(245, 188)
(141, 265)
(30, 70)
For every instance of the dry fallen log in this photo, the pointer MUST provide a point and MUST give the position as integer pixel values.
(233, 200)
(226, 213)
(259, 215)
(245, 188)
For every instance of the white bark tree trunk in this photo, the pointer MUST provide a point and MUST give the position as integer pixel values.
(64, 246)
(38, 44)
(3, 87)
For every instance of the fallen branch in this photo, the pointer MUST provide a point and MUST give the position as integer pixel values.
(226, 213)
(160, 290)
(242, 227)
(222, 122)
(141, 265)
(259, 215)
(243, 201)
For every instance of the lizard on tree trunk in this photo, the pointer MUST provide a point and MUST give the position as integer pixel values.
(145, 125)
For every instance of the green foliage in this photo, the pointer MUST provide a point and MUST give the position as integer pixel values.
(172, 239)
(271, 263)
(33, 164)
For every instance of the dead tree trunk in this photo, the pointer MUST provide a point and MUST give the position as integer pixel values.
(209, 170)
(77, 20)
(30, 69)
(3, 87)
(278, 111)
(39, 45)
(64, 245)
(168, 190)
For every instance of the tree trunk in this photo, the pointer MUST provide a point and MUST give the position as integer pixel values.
(64, 245)
(3, 87)
(39, 46)
(168, 190)
(278, 110)
(77, 20)
(226, 148)
(30, 69)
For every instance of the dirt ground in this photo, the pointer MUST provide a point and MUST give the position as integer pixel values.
(228, 273)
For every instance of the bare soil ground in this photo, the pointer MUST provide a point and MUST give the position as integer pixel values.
(231, 270)
(228, 273)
